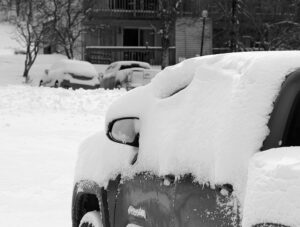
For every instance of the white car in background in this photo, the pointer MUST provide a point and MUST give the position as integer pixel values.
(135, 77)
(127, 74)
(71, 74)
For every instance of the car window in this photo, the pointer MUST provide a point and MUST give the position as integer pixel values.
(112, 67)
(133, 66)
(292, 134)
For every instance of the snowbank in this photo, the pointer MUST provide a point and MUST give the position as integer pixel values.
(20, 99)
(40, 132)
(273, 188)
(213, 126)
(12, 66)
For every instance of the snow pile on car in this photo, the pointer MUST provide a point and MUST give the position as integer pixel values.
(274, 182)
(80, 68)
(92, 151)
(215, 124)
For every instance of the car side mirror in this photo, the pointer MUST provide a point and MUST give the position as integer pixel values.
(125, 131)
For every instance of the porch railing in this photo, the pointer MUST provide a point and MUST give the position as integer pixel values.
(128, 9)
(147, 5)
(108, 54)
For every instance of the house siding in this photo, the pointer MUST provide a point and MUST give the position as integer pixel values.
(188, 36)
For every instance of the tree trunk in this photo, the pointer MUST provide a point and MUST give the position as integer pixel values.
(26, 63)
(71, 51)
(67, 52)
(25, 73)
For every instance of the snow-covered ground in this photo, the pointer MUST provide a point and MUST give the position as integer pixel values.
(40, 131)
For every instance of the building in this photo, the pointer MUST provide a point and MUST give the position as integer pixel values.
(8, 10)
(130, 30)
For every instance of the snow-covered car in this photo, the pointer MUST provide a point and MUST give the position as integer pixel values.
(211, 141)
(136, 77)
(127, 74)
(71, 74)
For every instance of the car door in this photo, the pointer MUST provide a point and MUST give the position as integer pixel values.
(204, 205)
(148, 200)
(166, 201)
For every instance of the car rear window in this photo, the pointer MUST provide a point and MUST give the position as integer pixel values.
(132, 66)
(111, 68)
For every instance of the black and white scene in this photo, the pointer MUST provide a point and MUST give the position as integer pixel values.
(150, 113)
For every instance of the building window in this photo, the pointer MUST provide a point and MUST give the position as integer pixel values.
(138, 37)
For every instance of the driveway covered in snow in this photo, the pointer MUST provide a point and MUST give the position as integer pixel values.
(40, 131)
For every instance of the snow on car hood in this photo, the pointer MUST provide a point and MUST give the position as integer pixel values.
(213, 126)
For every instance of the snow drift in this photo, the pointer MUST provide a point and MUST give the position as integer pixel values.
(273, 188)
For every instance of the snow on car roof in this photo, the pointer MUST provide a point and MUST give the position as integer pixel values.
(119, 65)
(144, 64)
(75, 67)
(213, 126)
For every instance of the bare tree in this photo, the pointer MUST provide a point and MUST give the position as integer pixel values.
(31, 30)
(271, 24)
(227, 19)
(276, 24)
(68, 19)
(168, 12)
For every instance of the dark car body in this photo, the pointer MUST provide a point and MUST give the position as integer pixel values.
(148, 200)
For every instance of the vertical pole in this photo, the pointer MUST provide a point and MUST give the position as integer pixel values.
(134, 7)
(204, 16)
(202, 36)
(234, 25)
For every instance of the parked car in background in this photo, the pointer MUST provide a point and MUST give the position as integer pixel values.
(74, 74)
(127, 74)
(177, 152)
